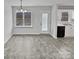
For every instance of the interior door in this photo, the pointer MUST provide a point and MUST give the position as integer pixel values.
(44, 22)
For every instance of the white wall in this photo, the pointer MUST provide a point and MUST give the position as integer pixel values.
(56, 21)
(69, 27)
(53, 21)
(8, 12)
(36, 19)
(7, 21)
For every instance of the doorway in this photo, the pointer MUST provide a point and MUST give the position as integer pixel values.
(44, 22)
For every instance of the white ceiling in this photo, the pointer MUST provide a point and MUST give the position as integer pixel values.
(40, 2)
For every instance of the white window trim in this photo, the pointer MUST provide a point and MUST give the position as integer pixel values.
(23, 20)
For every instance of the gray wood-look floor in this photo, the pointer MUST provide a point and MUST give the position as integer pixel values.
(39, 47)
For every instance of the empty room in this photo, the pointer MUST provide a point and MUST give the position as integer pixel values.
(38, 29)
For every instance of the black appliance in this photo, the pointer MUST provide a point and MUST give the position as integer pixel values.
(60, 31)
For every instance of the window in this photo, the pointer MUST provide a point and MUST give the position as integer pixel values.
(27, 18)
(19, 19)
(23, 19)
(64, 16)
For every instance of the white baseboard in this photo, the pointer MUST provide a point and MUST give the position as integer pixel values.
(29, 33)
(53, 36)
(7, 39)
(26, 33)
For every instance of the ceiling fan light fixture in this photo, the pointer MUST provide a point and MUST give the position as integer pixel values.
(21, 7)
